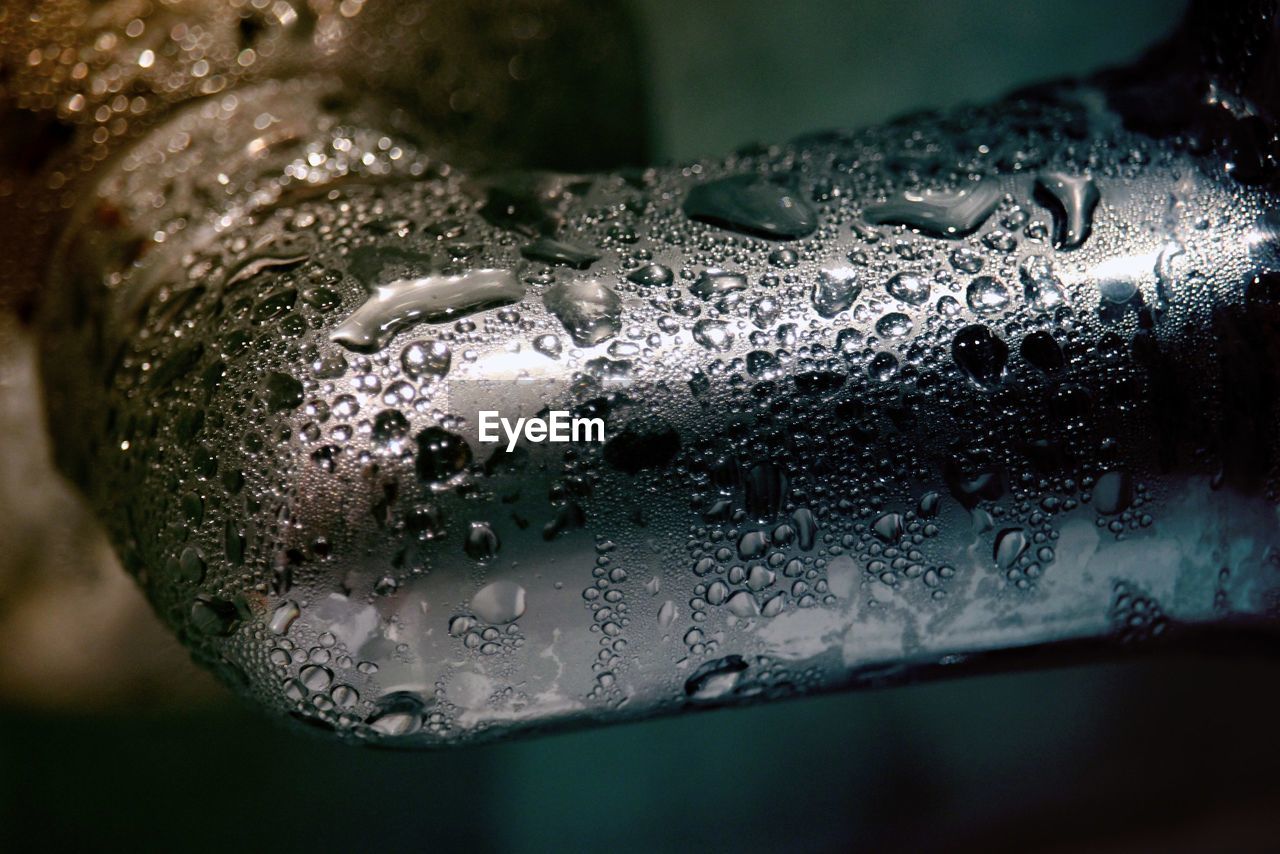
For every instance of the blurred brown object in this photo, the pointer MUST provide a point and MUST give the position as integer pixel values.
(75, 630)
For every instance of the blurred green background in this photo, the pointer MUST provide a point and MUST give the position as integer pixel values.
(1149, 756)
(727, 72)
(1141, 755)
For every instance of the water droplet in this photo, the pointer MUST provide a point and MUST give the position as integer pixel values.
(764, 312)
(949, 306)
(482, 543)
(191, 566)
(986, 294)
(211, 616)
(1041, 287)
(499, 602)
(652, 276)
(835, 291)
(441, 454)
(941, 213)
(1009, 546)
(1118, 278)
(763, 365)
(752, 544)
(274, 305)
(344, 696)
(713, 334)
(283, 392)
(784, 258)
(590, 311)
(389, 426)
(404, 302)
(397, 713)
(893, 325)
(283, 616)
(547, 345)
(715, 679)
(752, 205)
(882, 367)
(888, 527)
(965, 259)
(559, 253)
(426, 358)
(1072, 199)
(1042, 350)
(909, 286)
(714, 283)
(743, 604)
(980, 354)
(1113, 493)
(316, 677)
(806, 528)
(328, 367)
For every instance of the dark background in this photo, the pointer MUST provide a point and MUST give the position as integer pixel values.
(1148, 754)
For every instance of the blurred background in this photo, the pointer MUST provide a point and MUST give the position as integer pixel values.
(109, 736)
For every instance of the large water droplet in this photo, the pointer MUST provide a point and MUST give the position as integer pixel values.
(1113, 493)
(888, 527)
(559, 253)
(441, 454)
(1042, 350)
(1009, 546)
(499, 602)
(714, 283)
(426, 358)
(1040, 286)
(1072, 199)
(652, 276)
(715, 679)
(909, 286)
(589, 309)
(403, 302)
(398, 713)
(941, 213)
(893, 325)
(743, 604)
(980, 354)
(713, 334)
(283, 392)
(835, 291)
(986, 294)
(482, 542)
(752, 205)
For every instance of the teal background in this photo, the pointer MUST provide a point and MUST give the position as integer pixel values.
(727, 72)
(1150, 755)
